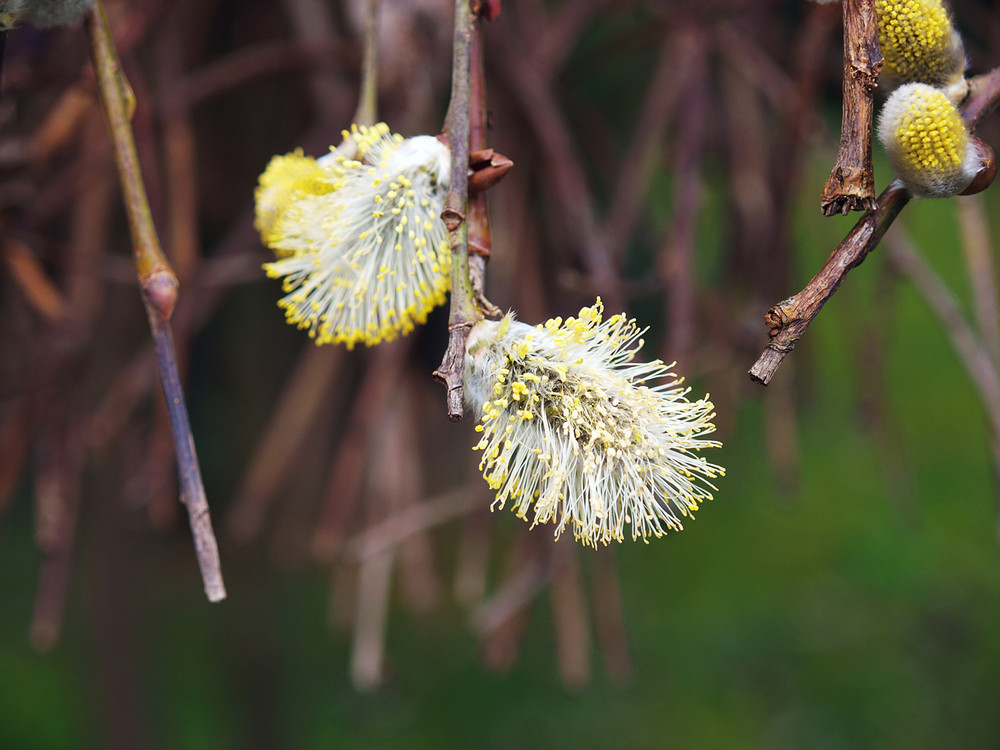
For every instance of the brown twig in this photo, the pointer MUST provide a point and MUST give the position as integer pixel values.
(371, 616)
(472, 559)
(367, 111)
(465, 310)
(159, 292)
(851, 186)
(375, 572)
(789, 319)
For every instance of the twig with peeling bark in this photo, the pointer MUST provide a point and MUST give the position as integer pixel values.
(789, 319)
(158, 285)
(851, 186)
(465, 310)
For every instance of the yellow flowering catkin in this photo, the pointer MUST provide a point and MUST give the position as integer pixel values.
(576, 433)
(286, 179)
(927, 142)
(363, 254)
(919, 43)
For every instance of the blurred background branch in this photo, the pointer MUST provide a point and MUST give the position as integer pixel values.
(841, 590)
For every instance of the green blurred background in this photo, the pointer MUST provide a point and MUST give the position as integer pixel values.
(841, 591)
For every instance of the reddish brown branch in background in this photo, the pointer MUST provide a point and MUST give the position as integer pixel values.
(670, 79)
(569, 616)
(347, 475)
(563, 168)
(609, 616)
(57, 501)
(788, 320)
(306, 391)
(851, 186)
(677, 255)
(480, 237)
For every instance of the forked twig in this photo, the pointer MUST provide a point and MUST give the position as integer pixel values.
(789, 319)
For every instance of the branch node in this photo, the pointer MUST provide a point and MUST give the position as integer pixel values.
(452, 218)
(159, 289)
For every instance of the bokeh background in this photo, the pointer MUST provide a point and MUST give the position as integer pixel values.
(841, 591)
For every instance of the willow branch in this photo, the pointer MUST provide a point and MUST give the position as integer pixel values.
(851, 186)
(789, 319)
(464, 308)
(158, 285)
(367, 111)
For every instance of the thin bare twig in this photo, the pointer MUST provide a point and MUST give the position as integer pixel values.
(415, 519)
(517, 591)
(788, 320)
(367, 111)
(159, 292)
(973, 222)
(266, 58)
(851, 186)
(465, 310)
(419, 581)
